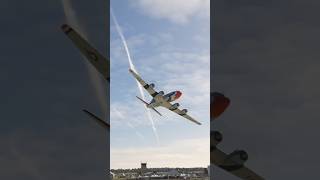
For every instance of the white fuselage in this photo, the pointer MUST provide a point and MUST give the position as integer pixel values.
(159, 99)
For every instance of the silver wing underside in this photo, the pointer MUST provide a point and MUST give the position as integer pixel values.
(146, 86)
(179, 111)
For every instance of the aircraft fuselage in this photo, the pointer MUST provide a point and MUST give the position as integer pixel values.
(159, 99)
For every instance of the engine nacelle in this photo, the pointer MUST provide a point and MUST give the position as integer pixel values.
(184, 111)
(219, 104)
(238, 156)
(161, 93)
(174, 106)
(151, 85)
(215, 138)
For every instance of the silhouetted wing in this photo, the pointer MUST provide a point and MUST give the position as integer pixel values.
(95, 58)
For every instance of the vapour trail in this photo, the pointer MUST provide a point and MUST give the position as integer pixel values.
(134, 69)
(99, 88)
(121, 116)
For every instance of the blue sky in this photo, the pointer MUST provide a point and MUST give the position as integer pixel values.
(169, 44)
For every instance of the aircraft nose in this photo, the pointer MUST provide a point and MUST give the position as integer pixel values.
(178, 94)
(219, 104)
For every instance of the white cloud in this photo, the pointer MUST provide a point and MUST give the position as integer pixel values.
(122, 114)
(177, 11)
(181, 153)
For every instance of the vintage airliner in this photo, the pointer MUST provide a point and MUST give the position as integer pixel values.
(162, 100)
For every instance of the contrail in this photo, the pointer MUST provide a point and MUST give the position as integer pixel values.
(134, 69)
(99, 87)
(120, 115)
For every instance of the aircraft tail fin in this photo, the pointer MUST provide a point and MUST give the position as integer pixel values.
(150, 107)
(97, 119)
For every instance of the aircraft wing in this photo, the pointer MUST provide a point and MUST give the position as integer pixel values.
(146, 86)
(95, 58)
(180, 112)
(224, 161)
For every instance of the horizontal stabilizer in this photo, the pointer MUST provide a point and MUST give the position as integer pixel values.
(97, 119)
(142, 100)
(148, 104)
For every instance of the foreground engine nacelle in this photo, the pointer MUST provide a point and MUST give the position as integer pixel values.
(184, 111)
(238, 156)
(152, 85)
(215, 138)
(161, 93)
(174, 106)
